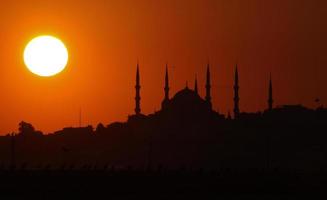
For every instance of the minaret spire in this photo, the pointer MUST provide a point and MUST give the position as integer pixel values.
(196, 85)
(270, 95)
(137, 89)
(208, 87)
(166, 89)
(236, 95)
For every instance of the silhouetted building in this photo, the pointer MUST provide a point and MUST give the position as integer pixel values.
(75, 131)
(186, 97)
(187, 109)
(291, 113)
(229, 117)
(236, 95)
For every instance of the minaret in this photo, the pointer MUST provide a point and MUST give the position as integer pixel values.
(270, 95)
(236, 96)
(208, 88)
(196, 85)
(137, 89)
(166, 89)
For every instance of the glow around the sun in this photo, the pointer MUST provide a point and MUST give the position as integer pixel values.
(45, 56)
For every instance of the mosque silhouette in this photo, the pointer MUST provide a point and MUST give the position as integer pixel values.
(185, 132)
(188, 102)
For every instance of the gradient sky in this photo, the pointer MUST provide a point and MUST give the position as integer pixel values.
(106, 38)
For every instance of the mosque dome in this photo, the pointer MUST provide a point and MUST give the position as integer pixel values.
(187, 100)
(186, 95)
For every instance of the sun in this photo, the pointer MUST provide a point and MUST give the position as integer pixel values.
(45, 55)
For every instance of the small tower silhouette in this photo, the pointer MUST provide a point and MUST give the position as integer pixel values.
(208, 88)
(270, 95)
(196, 85)
(236, 95)
(137, 89)
(229, 117)
(166, 89)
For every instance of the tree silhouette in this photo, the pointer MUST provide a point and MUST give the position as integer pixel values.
(27, 129)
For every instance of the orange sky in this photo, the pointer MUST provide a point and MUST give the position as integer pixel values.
(106, 38)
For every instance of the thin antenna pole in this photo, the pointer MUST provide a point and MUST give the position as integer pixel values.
(80, 117)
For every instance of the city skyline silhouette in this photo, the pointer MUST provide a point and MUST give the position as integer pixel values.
(207, 88)
(183, 116)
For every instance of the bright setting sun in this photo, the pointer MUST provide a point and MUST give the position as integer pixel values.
(45, 56)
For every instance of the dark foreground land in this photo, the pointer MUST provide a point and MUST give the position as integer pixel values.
(280, 153)
(181, 184)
